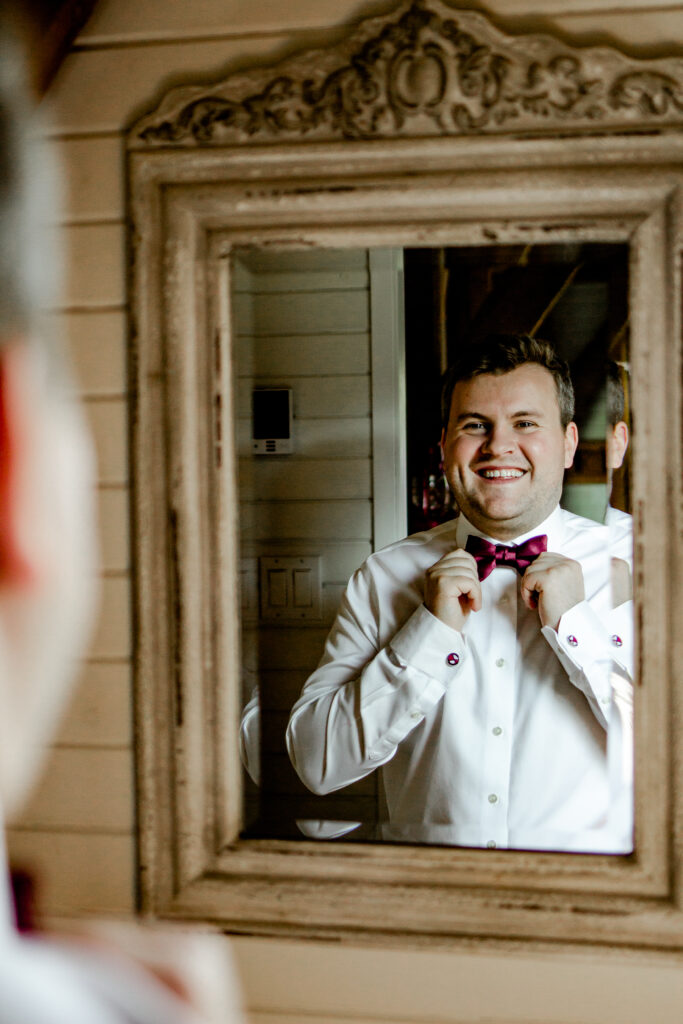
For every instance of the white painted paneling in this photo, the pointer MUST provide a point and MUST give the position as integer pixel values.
(157, 19)
(314, 397)
(317, 438)
(339, 559)
(318, 280)
(94, 265)
(83, 788)
(93, 178)
(295, 648)
(108, 422)
(310, 520)
(300, 355)
(105, 90)
(77, 872)
(99, 714)
(324, 312)
(458, 987)
(96, 342)
(389, 430)
(280, 478)
(303, 261)
(128, 20)
(112, 636)
(114, 529)
(639, 32)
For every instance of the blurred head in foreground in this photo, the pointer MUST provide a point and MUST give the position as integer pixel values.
(46, 519)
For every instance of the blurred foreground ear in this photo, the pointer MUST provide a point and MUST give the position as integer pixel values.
(16, 568)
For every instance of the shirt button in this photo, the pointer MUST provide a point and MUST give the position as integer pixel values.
(616, 640)
(493, 799)
(500, 662)
(415, 715)
(373, 757)
(491, 845)
(453, 658)
(572, 641)
(496, 730)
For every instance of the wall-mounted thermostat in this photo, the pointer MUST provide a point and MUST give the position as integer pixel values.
(271, 421)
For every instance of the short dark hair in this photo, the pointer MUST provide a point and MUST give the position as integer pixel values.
(616, 399)
(501, 353)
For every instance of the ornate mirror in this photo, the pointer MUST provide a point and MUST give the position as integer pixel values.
(426, 147)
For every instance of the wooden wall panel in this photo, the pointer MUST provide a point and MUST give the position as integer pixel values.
(104, 90)
(112, 638)
(85, 789)
(93, 179)
(108, 423)
(77, 872)
(156, 20)
(100, 713)
(96, 341)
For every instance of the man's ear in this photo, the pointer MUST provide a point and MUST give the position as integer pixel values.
(16, 568)
(571, 440)
(617, 443)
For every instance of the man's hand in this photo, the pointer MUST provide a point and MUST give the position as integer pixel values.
(452, 588)
(553, 584)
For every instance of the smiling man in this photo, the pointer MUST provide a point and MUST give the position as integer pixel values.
(472, 662)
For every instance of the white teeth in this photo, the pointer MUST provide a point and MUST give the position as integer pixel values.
(507, 474)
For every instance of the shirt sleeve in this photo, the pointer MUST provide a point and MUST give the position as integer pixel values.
(588, 647)
(364, 699)
(250, 737)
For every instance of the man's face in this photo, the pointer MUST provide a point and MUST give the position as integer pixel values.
(505, 450)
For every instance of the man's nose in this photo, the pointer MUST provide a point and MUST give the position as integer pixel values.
(500, 439)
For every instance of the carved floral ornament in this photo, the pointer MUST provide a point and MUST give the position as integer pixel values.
(426, 70)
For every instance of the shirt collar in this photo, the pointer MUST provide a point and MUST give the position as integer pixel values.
(552, 527)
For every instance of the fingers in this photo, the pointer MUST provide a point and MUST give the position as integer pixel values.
(452, 588)
(457, 574)
(553, 584)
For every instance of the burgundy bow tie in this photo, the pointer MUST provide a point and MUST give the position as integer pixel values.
(516, 556)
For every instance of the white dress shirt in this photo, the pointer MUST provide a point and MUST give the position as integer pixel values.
(98, 980)
(495, 736)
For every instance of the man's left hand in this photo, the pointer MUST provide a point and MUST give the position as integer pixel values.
(553, 584)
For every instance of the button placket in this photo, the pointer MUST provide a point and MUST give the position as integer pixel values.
(500, 667)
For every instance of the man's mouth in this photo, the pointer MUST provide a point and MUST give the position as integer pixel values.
(501, 474)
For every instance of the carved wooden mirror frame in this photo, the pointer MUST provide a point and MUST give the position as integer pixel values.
(428, 126)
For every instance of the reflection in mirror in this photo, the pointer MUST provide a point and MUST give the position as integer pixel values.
(511, 754)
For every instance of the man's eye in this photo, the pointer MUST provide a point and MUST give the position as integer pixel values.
(474, 427)
(526, 424)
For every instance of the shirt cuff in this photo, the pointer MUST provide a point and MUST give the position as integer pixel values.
(620, 625)
(583, 647)
(430, 646)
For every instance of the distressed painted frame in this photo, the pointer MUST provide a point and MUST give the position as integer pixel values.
(428, 126)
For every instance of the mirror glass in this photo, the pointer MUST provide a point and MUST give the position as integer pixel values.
(313, 331)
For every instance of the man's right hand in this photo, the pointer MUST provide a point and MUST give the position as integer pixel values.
(452, 588)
